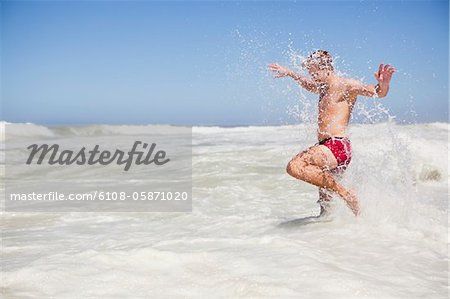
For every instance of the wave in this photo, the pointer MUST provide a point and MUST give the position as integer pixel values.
(20, 130)
(12, 130)
(8, 130)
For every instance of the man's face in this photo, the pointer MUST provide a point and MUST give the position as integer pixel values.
(317, 74)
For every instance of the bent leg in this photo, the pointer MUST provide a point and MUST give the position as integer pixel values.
(312, 167)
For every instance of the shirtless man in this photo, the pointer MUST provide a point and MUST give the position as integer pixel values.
(320, 163)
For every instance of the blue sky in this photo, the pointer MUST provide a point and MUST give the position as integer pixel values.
(204, 63)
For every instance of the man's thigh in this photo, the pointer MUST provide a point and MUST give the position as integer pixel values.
(317, 155)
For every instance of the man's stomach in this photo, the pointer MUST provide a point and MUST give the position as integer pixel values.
(336, 131)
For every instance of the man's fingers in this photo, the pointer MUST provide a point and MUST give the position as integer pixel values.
(384, 73)
(385, 67)
(389, 68)
(274, 67)
(390, 72)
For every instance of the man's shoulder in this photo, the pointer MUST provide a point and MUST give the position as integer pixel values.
(350, 81)
(351, 84)
(346, 83)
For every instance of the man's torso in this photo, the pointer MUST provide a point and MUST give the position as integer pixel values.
(335, 107)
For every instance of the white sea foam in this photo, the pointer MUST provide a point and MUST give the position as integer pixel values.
(232, 245)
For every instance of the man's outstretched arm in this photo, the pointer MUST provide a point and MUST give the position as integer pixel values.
(380, 90)
(304, 82)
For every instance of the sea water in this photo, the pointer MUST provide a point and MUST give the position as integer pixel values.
(238, 241)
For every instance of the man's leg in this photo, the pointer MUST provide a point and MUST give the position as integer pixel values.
(313, 165)
(324, 195)
(324, 202)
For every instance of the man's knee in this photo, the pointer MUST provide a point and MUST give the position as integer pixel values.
(295, 168)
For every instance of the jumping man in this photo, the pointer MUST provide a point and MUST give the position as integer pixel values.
(320, 163)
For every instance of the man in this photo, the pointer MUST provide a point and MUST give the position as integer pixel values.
(319, 164)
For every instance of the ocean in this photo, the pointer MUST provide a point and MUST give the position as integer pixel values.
(239, 241)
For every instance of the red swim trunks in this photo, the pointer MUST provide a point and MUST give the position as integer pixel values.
(341, 149)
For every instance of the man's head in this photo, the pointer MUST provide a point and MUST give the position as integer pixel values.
(319, 65)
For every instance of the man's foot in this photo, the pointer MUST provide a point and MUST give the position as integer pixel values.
(325, 208)
(352, 201)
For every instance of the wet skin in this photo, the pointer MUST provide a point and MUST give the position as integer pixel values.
(337, 97)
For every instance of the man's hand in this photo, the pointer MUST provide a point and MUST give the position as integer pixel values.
(384, 74)
(281, 70)
(383, 77)
(304, 82)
